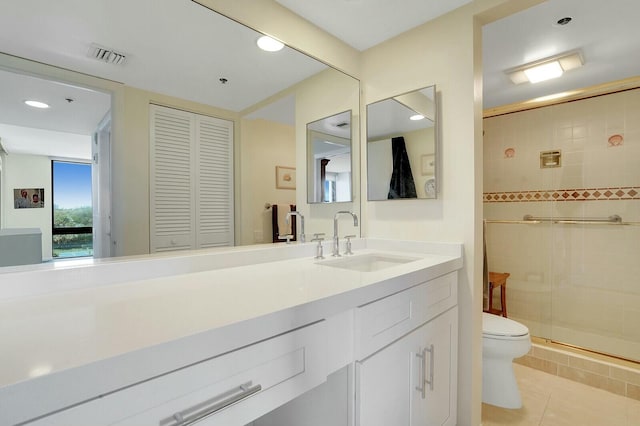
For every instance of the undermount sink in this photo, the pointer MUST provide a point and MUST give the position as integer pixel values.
(368, 262)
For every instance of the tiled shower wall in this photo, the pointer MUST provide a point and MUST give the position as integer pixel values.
(577, 284)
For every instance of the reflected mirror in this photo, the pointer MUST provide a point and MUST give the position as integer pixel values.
(329, 159)
(213, 68)
(402, 147)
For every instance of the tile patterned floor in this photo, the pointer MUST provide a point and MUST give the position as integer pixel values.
(554, 401)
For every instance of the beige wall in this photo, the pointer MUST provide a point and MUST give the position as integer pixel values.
(562, 274)
(439, 53)
(27, 171)
(264, 145)
(320, 96)
(446, 52)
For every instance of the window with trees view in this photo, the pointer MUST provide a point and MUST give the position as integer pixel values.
(72, 211)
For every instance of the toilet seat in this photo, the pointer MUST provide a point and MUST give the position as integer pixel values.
(496, 327)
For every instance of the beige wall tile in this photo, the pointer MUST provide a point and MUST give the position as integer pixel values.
(616, 386)
(633, 391)
(626, 375)
(582, 376)
(539, 364)
(551, 355)
(586, 265)
(589, 365)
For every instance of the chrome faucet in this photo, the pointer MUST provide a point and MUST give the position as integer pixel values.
(336, 239)
(289, 214)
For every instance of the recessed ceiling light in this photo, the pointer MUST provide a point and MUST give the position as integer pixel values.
(269, 44)
(36, 104)
(417, 117)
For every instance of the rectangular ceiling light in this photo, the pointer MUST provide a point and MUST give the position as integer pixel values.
(543, 72)
(546, 69)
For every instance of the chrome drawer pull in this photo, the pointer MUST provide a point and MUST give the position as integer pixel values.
(211, 406)
(421, 376)
(431, 365)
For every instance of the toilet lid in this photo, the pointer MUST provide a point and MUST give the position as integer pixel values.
(500, 326)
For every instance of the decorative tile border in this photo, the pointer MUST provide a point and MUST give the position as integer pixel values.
(589, 194)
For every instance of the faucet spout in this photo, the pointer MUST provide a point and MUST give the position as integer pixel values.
(336, 239)
(288, 219)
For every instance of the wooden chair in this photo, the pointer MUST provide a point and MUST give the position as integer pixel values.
(498, 280)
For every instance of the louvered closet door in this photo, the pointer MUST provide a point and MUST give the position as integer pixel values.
(172, 183)
(214, 183)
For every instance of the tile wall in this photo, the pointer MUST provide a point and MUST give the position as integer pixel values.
(578, 284)
(616, 376)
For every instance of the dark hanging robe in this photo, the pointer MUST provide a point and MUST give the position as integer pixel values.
(402, 185)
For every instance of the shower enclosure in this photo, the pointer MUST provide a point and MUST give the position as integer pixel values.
(567, 229)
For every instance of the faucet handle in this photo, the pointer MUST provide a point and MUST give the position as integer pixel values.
(287, 237)
(319, 250)
(348, 244)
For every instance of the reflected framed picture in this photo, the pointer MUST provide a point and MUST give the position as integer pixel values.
(428, 164)
(285, 177)
(28, 198)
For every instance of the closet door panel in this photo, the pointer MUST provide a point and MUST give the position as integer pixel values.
(172, 183)
(214, 182)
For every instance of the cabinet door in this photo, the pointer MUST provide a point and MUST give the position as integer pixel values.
(384, 384)
(413, 380)
(191, 181)
(214, 182)
(434, 402)
(172, 221)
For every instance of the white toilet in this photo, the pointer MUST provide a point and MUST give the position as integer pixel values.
(502, 341)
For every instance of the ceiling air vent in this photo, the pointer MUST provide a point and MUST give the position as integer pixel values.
(106, 54)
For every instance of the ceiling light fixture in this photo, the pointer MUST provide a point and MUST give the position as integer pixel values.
(417, 117)
(36, 104)
(269, 44)
(546, 69)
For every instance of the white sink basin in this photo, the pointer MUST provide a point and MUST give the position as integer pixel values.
(368, 262)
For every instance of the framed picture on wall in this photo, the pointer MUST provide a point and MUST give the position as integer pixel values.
(428, 164)
(28, 198)
(285, 177)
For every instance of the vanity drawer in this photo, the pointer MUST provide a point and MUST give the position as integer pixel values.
(231, 389)
(381, 322)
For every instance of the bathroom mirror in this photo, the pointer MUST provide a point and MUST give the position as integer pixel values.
(329, 159)
(214, 62)
(402, 146)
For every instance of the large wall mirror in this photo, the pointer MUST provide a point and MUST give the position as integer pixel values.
(188, 57)
(329, 159)
(402, 147)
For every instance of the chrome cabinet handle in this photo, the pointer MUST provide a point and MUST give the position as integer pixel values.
(431, 365)
(211, 406)
(421, 376)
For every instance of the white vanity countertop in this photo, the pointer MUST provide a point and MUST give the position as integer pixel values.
(141, 328)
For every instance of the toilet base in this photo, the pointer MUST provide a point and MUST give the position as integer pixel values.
(499, 386)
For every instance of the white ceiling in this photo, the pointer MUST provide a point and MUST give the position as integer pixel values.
(365, 23)
(606, 31)
(162, 56)
(187, 60)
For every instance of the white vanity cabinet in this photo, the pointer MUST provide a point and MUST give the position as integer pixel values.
(411, 380)
(287, 342)
(231, 389)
